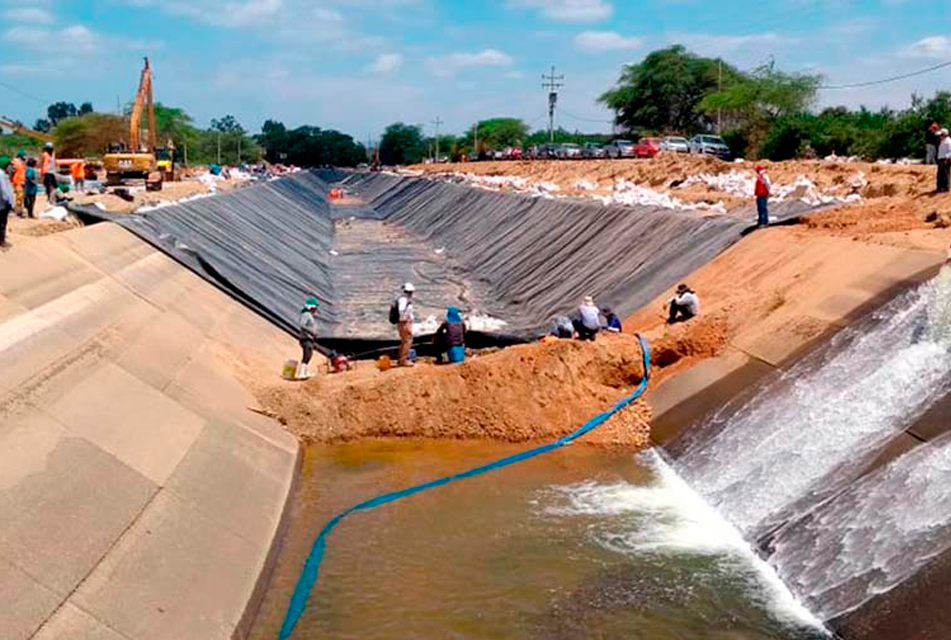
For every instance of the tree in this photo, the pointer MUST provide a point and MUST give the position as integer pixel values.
(43, 125)
(89, 135)
(175, 125)
(402, 144)
(227, 124)
(661, 93)
(498, 133)
(85, 109)
(764, 93)
(273, 138)
(60, 111)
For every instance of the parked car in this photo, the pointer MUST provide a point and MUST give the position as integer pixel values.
(619, 149)
(568, 151)
(647, 147)
(712, 145)
(547, 151)
(592, 150)
(675, 144)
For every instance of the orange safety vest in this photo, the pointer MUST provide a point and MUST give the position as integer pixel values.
(78, 170)
(19, 172)
(45, 166)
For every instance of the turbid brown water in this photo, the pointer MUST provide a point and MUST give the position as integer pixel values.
(570, 545)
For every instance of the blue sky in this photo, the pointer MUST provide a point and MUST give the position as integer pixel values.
(357, 65)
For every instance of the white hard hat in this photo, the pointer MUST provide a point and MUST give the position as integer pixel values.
(409, 288)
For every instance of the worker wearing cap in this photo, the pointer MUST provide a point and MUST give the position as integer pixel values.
(944, 161)
(18, 179)
(762, 191)
(931, 143)
(684, 305)
(78, 173)
(405, 325)
(7, 199)
(48, 170)
(308, 336)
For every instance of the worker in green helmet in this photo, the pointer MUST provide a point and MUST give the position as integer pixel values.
(308, 336)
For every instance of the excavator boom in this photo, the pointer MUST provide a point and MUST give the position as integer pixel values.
(26, 131)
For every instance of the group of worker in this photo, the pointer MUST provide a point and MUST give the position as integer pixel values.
(938, 151)
(449, 341)
(20, 181)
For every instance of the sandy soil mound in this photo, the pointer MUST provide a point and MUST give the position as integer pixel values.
(528, 392)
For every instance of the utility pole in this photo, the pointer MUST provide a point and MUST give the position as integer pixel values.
(552, 84)
(719, 90)
(437, 122)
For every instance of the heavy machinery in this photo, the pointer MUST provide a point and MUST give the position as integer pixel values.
(138, 161)
(18, 128)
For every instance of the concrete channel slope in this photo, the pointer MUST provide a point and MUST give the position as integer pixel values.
(139, 497)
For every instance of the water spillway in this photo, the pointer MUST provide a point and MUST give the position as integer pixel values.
(815, 467)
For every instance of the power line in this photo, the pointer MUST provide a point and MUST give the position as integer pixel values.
(583, 119)
(22, 93)
(871, 83)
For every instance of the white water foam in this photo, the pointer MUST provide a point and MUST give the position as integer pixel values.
(866, 541)
(813, 428)
(676, 519)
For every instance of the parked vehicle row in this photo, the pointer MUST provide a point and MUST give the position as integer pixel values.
(646, 147)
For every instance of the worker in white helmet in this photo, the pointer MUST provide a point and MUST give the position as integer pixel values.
(405, 325)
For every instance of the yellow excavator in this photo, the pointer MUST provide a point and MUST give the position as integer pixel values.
(137, 161)
(18, 128)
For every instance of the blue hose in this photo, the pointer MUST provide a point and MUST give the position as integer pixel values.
(308, 577)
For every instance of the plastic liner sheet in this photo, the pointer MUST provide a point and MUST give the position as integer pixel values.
(267, 245)
(542, 256)
(523, 260)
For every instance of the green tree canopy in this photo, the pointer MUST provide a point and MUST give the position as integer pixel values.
(498, 133)
(402, 144)
(89, 135)
(661, 93)
(309, 146)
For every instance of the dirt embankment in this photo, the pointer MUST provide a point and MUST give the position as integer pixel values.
(668, 172)
(524, 393)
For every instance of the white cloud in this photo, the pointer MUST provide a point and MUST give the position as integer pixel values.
(567, 10)
(449, 65)
(601, 41)
(930, 47)
(515, 74)
(29, 15)
(386, 64)
(234, 14)
(75, 39)
(751, 46)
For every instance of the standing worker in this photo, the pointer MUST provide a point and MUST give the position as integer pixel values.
(48, 169)
(404, 308)
(762, 190)
(78, 173)
(931, 143)
(308, 336)
(31, 187)
(19, 180)
(944, 161)
(7, 200)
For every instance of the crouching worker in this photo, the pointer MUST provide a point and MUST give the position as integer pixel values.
(683, 306)
(451, 338)
(611, 322)
(308, 337)
(563, 328)
(589, 320)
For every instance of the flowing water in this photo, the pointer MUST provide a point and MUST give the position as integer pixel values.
(587, 543)
(812, 430)
(581, 543)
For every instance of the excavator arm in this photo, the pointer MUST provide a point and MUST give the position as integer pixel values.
(143, 102)
(26, 131)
